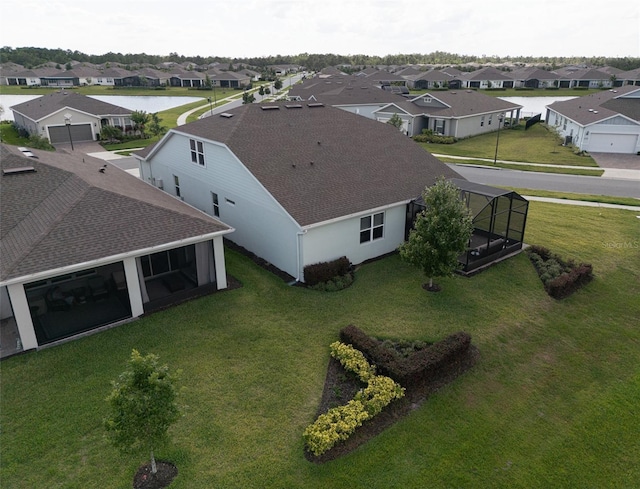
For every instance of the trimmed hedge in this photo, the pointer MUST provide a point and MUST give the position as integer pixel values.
(560, 278)
(427, 138)
(423, 366)
(325, 271)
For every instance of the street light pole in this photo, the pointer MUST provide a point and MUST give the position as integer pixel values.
(210, 106)
(67, 122)
(500, 118)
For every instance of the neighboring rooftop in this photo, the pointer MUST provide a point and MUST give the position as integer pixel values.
(71, 209)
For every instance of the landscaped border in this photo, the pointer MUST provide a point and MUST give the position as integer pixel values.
(423, 373)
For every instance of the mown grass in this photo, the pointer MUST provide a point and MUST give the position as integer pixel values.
(9, 135)
(588, 171)
(551, 402)
(573, 196)
(136, 91)
(538, 144)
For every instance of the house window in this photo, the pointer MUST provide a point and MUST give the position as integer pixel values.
(439, 126)
(216, 204)
(176, 182)
(371, 227)
(489, 121)
(197, 152)
(116, 122)
(481, 121)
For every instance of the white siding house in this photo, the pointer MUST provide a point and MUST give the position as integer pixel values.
(299, 183)
(605, 122)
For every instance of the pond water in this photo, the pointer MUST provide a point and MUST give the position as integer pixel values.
(149, 104)
(534, 105)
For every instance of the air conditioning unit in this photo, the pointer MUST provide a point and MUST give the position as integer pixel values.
(160, 183)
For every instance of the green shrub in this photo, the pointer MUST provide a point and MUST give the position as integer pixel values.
(434, 138)
(560, 278)
(352, 360)
(340, 422)
(326, 271)
(334, 284)
(422, 366)
(39, 142)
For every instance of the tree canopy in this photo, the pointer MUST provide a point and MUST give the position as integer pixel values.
(31, 57)
(441, 232)
(143, 405)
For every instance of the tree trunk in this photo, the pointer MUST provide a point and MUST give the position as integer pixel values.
(154, 467)
(430, 283)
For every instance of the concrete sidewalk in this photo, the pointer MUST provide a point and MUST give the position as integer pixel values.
(585, 203)
(621, 173)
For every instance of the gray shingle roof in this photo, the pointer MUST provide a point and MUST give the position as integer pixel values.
(599, 106)
(67, 212)
(46, 105)
(460, 103)
(322, 163)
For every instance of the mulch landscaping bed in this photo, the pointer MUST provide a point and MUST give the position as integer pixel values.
(340, 386)
(165, 474)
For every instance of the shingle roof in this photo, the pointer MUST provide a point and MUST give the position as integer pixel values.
(67, 212)
(459, 103)
(599, 106)
(46, 105)
(322, 163)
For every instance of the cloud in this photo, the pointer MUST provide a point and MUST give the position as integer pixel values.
(268, 27)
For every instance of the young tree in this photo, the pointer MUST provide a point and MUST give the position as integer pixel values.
(143, 405)
(248, 98)
(140, 119)
(441, 233)
(155, 126)
(395, 121)
(277, 84)
(110, 133)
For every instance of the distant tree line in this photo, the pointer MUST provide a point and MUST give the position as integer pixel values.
(31, 57)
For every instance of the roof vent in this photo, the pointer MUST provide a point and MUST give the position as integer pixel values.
(18, 170)
(269, 107)
(226, 115)
(293, 106)
(317, 104)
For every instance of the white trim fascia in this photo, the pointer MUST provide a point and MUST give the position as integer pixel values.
(355, 214)
(381, 109)
(238, 161)
(114, 258)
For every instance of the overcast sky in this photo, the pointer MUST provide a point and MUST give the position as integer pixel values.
(256, 28)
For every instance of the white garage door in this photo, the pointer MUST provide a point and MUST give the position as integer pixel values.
(612, 143)
(79, 132)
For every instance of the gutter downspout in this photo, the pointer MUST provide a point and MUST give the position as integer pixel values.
(300, 267)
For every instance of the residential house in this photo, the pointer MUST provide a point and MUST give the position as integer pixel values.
(456, 113)
(631, 77)
(429, 80)
(485, 78)
(86, 246)
(301, 183)
(346, 92)
(75, 77)
(64, 117)
(605, 122)
(578, 77)
(533, 77)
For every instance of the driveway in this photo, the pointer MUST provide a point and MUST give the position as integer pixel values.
(618, 165)
(618, 161)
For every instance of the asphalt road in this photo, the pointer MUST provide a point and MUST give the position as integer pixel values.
(549, 181)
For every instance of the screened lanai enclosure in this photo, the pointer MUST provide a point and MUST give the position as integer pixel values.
(499, 220)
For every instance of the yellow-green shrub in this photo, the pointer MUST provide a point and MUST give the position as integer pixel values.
(340, 422)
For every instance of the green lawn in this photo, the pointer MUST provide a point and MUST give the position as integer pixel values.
(552, 402)
(538, 144)
(102, 90)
